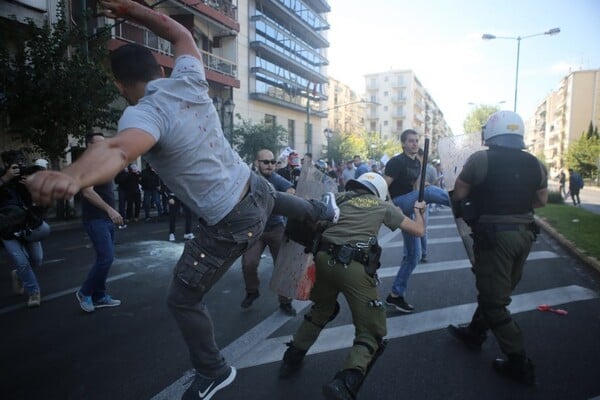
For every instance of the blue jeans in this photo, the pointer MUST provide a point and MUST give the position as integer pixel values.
(102, 235)
(424, 237)
(152, 196)
(25, 257)
(412, 244)
(433, 194)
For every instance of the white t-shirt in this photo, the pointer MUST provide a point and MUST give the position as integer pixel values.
(191, 154)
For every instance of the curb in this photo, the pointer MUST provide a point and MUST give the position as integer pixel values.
(568, 245)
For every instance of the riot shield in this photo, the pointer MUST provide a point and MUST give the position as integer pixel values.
(454, 152)
(294, 272)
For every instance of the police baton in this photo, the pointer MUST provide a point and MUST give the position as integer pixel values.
(423, 170)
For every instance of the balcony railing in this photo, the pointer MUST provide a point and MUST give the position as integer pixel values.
(219, 64)
(131, 32)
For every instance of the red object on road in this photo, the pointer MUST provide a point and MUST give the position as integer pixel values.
(546, 307)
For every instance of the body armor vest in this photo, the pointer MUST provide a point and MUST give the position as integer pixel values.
(512, 179)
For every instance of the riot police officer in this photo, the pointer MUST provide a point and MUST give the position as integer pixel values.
(346, 263)
(504, 184)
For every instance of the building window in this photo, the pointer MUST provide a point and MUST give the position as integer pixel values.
(385, 79)
(385, 94)
(270, 120)
(385, 108)
(373, 126)
(385, 123)
(291, 133)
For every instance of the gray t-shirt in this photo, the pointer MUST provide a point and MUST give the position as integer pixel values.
(191, 154)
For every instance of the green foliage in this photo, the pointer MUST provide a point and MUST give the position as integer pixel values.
(248, 138)
(54, 92)
(583, 154)
(478, 117)
(555, 197)
(353, 144)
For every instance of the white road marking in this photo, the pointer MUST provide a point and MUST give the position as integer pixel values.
(341, 337)
(255, 348)
(387, 272)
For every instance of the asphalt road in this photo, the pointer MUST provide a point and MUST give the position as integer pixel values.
(135, 351)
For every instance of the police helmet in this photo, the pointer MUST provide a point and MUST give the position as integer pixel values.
(371, 181)
(504, 129)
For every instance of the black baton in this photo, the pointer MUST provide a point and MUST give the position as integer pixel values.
(423, 170)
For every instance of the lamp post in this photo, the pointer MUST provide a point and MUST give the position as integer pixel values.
(488, 36)
(228, 107)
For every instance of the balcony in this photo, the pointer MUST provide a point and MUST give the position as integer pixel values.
(218, 69)
(271, 54)
(398, 99)
(305, 28)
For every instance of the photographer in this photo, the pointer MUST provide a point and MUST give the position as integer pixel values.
(22, 225)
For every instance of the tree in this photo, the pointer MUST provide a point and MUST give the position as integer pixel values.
(248, 138)
(478, 117)
(583, 155)
(592, 132)
(54, 92)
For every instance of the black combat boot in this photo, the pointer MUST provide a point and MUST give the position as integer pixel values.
(292, 361)
(472, 339)
(517, 367)
(344, 386)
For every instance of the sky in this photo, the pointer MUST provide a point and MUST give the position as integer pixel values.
(440, 40)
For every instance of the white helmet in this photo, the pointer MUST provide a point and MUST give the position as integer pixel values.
(41, 163)
(504, 129)
(371, 181)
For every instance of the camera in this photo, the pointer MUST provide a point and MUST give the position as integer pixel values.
(25, 170)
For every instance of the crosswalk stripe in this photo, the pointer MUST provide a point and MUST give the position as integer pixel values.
(341, 337)
(387, 272)
(454, 239)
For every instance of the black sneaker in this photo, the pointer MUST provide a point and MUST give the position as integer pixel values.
(423, 259)
(204, 388)
(399, 303)
(465, 334)
(332, 212)
(250, 297)
(287, 309)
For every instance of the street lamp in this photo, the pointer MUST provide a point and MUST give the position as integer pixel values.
(488, 36)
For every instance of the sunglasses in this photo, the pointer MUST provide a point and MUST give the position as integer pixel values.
(267, 162)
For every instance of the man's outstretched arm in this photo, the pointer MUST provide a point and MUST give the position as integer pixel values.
(161, 24)
(98, 164)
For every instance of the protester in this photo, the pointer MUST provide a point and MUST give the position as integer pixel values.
(272, 236)
(21, 226)
(575, 185)
(190, 156)
(175, 205)
(503, 233)
(401, 173)
(99, 218)
(360, 166)
(150, 183)
(562, 180)
(346, 263)
(349, 172)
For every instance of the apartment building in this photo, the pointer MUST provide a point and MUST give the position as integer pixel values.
(264, 59)
(345, 109)
(282, 50)
(399, 101)
(563, 116)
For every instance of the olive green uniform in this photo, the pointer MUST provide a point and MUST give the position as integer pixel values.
(503, 183)
(361, 217)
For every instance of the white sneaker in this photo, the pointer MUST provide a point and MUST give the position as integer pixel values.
(189, 236)
(171, 237)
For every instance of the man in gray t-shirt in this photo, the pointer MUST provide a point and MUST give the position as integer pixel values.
(174, 123)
